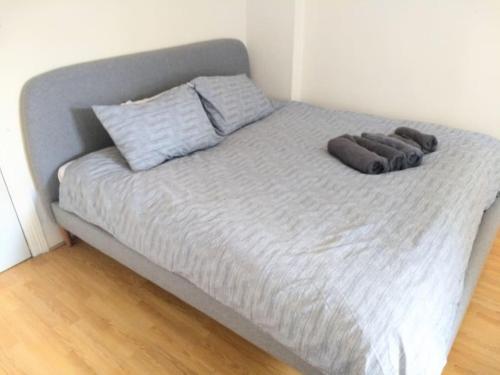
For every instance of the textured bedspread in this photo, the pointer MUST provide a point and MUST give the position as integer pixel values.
(357, 274)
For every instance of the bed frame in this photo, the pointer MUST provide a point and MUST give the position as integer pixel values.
(59, 125)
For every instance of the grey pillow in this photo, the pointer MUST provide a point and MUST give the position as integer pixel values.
(150, 132)
(232, 101)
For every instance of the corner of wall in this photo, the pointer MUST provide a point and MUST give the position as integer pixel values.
(298, 49)
(274, 41)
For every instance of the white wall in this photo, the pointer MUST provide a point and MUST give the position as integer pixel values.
(39, 35)
(425, 60)
(270, 42)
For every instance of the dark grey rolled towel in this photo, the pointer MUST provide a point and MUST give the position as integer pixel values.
(413, 155)
(397, 159)
(428, 142)
(353, 155)
(411, 142)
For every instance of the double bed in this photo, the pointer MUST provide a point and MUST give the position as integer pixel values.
(328, 269)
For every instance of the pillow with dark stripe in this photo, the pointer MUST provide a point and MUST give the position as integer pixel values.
(147, 133)
(232, 101)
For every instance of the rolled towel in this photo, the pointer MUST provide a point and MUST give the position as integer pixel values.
(411, 142)
(353, 155)
(428, 142)
(413, 155)
(397, 159)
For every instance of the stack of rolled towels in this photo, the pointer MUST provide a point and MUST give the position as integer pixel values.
(374, 153)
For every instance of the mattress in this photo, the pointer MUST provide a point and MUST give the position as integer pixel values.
(356, 274)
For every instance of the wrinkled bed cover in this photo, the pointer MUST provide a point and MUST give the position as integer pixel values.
(356, 274)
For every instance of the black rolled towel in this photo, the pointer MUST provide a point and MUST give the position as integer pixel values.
(397, 159)
(353, 155)
(411, 142)
(413, 155)
(428, 142)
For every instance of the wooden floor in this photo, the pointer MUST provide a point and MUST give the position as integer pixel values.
(76, 311)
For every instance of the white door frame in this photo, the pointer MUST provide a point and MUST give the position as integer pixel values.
(21, 189)
(12, 236)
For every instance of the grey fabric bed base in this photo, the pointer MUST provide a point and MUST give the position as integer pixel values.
(194, 296)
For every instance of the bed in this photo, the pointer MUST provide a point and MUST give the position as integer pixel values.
(330, 270)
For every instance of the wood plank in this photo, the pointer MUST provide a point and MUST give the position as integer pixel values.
(77, 311)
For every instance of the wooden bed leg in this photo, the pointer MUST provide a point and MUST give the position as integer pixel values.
(68, 240)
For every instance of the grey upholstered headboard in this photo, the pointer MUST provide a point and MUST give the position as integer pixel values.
(58, 123)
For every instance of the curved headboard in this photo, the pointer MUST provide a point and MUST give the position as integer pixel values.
(56, 116)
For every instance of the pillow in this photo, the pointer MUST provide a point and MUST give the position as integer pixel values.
(232, 101)
(149, 133)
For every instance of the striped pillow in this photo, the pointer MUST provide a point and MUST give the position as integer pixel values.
(148, 133)
(232, 101)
